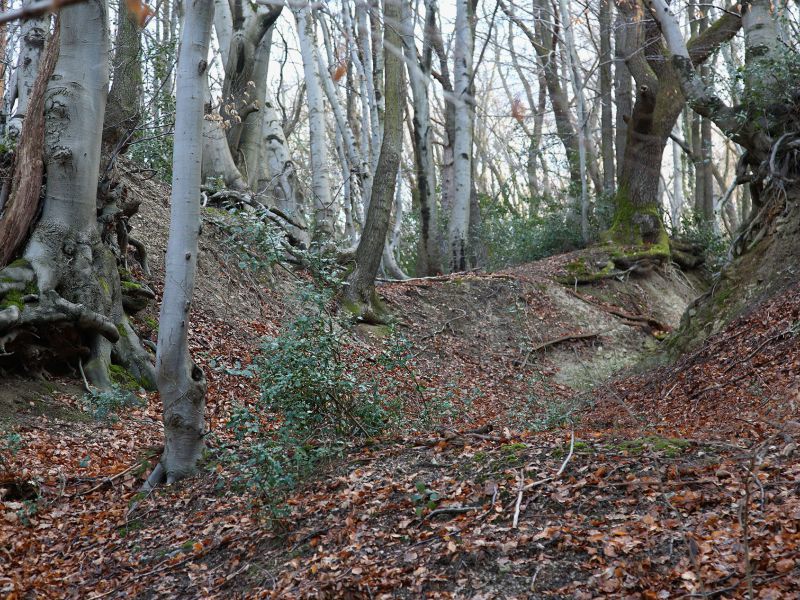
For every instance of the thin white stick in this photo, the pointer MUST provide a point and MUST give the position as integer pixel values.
(566, 460)
(519, 498)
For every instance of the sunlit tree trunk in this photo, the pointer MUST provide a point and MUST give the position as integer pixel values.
(458, 225)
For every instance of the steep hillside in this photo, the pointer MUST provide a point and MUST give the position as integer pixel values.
(542, 477)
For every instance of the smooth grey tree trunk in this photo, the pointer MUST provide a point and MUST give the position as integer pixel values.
(181, 382)
(458, 224)
(429, 258)
(324, 213)
(606, 90)
(33, 35)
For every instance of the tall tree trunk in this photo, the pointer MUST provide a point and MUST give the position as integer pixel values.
(658, 105)
(360, 290)
(606, 116)
(458, 225)
(181, 382)
(622, 87)
(429, 260)
(324, 213)
(577, 87)
(123, 111)
(33, 34)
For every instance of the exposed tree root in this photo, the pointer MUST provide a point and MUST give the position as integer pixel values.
(649, 323)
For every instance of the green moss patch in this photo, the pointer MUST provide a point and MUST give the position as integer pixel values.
(13, 298)
(670, 447)
(123, 378)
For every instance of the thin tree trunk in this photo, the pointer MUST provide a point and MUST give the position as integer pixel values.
(32, 39)
(429, 257)
(181, 382)
(606, 116)
(324, 214)
(577, 86)
(458, 225)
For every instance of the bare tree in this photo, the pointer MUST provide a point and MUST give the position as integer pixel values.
(181, 383)
(360, 289)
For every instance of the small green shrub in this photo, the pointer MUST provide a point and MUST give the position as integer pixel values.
(715, 245)
(513, 238)
(319, 396)
(106, 404)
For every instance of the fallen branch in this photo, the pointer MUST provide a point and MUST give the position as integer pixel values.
(520, 492)
(563, 338)
(569, 456)
(108, 480)
(450, 510)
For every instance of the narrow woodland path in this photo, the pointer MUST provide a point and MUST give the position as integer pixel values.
(675, 481)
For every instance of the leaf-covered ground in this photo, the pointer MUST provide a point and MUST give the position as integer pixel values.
(680, 481)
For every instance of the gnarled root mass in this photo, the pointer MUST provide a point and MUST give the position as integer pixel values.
(64, 304)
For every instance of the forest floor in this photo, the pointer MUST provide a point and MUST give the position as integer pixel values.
(573, 461)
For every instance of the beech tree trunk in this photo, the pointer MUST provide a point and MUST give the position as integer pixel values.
(69, 303)
(33, 34)
(124, 107)
(606, 117)
(324, 213)
(360, 289)
(458, 225)
(429, 258)
(181, 383)
(658, 105)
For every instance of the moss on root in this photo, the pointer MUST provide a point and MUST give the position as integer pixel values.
(13, 298)
(123, 378)
(130, 286)
(373, 311)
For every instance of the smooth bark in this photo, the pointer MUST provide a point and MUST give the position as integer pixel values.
(181, 382)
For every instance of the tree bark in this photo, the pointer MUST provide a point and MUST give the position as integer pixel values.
(32, 40)
(181, 382)
(360, 289)
(74, 308)
(124, 107)
(658, 105)
(458, 225)
(606, 117)
(324, 213)
(429, 257)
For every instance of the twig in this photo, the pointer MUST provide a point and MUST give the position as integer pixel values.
(569, 456)
(83, 375)
(757, 350)
(744, 522)
(450, 510)
(108, 480)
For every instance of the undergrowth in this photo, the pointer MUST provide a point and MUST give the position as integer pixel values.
(322, 394)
